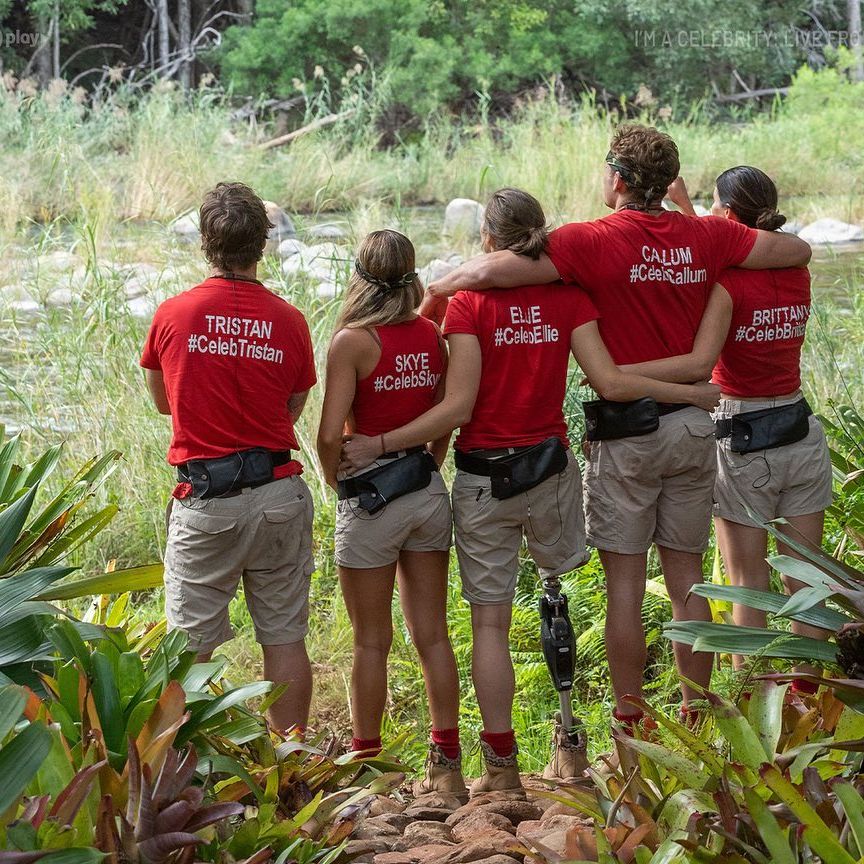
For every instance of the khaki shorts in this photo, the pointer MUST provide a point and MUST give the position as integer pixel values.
(489, 532)
(264, 536)
(655, 488)
(793, 480)
(417, 522)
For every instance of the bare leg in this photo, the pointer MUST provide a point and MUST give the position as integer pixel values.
(807, 530)
(289, 664)
(423, 595)
(625, 636)
(368, 595)
(491, 666)
(744, 549)
(681, 571)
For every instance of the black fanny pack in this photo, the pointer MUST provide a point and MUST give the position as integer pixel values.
(767, 428)
(211, 478)
(382, 485)
(520, 471)
(606, 421)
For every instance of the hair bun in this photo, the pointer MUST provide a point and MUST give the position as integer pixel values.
(770, 220)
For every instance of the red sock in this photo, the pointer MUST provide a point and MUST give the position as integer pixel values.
(448, 741)
(501, 742)
(369, 747)
(799, 685)
(689, 717)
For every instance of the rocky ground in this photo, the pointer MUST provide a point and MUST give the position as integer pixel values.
(496, 828)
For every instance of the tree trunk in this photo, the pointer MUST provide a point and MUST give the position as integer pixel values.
(184, 20)
(247, 9)
(855, 39)
(42, 56)
(56, 53)
(164, 41)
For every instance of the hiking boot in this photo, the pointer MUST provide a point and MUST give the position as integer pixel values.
(442, 775)
(501, 774)
(569, 756)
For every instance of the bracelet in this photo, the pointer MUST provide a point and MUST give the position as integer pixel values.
(383, 448)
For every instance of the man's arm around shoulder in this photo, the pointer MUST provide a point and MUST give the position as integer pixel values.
(502, 269)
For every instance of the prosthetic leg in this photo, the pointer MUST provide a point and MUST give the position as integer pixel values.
(569, 750)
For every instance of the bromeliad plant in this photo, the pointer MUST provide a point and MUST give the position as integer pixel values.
(772, 780)
(826, 579)
(35, 542)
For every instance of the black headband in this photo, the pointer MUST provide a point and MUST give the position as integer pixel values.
(392, 285)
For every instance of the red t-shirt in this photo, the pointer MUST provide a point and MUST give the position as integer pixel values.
(649, 276)
(762, 354)
(403, 384)
(524, 336)
(231, 357)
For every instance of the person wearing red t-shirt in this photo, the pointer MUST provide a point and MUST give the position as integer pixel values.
(232, 363)
(757, 324)
(505, 387)
(649, 273)
(385, 366)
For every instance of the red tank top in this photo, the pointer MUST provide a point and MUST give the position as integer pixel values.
(762, 354)
(403, 384)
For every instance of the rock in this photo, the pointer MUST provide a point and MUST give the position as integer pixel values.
(514, 809)
(497, 859)
(434, 270)
(282, 229)
(431, 853)
(139, 279)
(392, 858)
(367, 845)
(291, 246)
(327, 231)
(427, 814)
(187, 225)
(438, 799)
(557, 822)
(699, 210)
(463, 218)
(554, 808)
(327, 289)
(385, 805)
(483, 845)
(824, 231)
(480, 820)
(17, 297)
(374, 828)
(60, 297)
(141, 307)
(792, 227)
(424, 833)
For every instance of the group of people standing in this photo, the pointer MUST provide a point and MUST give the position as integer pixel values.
(645, 299)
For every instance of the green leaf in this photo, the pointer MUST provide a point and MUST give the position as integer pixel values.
(115, 582)
(803, 600)
(776, 842)
(106, 695)
(12, 702)
(679, 807)
(746, 746)
(685, 770)
(56, 770)
(816, 833)
(853, 805)
(130, 675)
(12, 520)
(770, 601)
(7, 459)
(732, 639)
(24, 640)
(20, 760)
(69, 644)
(14, 590)
(765, 713)
(205, 711)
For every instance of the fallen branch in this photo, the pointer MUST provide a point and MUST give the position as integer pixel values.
(752, 94)
(320, 123)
